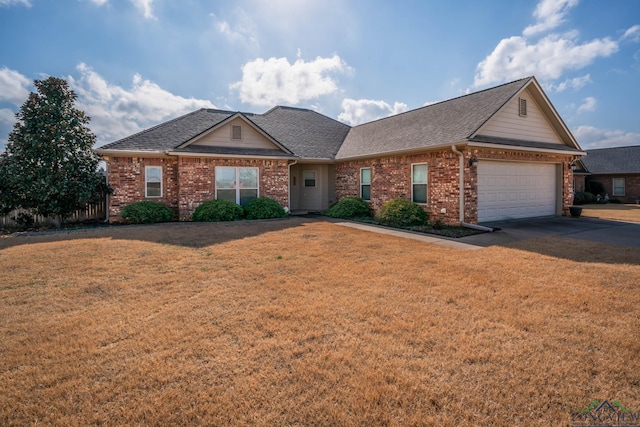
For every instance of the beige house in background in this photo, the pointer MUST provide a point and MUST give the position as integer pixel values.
(492, 155)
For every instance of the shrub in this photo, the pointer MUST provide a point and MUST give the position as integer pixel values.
(24, 220)
(264, 208)
(595, 188)
(583, 197)
(401, 213)
(217, 210)
(350, 207)
(146, 213)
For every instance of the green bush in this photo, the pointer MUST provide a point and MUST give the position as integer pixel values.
(401, 213)
(350, 207)
(146, 213)
(264, 208)
(217, 210)
(583, 197)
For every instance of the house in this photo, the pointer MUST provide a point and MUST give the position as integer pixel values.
(496, 154)
(618, 169)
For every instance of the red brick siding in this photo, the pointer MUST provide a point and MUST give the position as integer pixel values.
(391, 178)
(631, 184)
(197, 180)
(187, 182)
(126, 175)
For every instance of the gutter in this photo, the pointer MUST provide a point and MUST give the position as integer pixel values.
(461, 208)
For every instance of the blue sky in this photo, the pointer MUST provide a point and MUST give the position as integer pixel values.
(137, 63)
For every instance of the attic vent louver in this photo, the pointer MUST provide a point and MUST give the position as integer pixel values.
(236, 132)
(522, 107)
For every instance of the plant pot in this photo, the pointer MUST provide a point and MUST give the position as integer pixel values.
(575, 211)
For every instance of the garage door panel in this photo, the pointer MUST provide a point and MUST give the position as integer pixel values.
(509, 190)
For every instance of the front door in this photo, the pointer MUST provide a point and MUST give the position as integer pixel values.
(311, 197)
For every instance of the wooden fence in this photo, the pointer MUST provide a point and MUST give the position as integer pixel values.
(92, 211)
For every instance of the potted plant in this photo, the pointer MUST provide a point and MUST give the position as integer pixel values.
(575, 211)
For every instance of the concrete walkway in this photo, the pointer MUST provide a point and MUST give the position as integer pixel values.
(457, 244)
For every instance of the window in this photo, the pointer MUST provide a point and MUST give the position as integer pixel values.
(236, 132)
(365, 183)
(522, 107)
(419, 183)
(237, 185)
(618, 186)
(309, 178)
(153, 181)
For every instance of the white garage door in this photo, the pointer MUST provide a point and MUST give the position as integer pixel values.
(509, 190)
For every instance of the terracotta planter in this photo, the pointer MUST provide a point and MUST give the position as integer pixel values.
(575, 211)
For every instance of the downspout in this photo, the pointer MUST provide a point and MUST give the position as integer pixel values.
(461, 208)
(289, 185)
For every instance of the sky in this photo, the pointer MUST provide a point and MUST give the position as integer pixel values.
(137, 63)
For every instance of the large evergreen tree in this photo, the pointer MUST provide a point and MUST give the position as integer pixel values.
(49, 164)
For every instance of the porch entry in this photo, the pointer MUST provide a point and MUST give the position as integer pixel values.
(311, 187)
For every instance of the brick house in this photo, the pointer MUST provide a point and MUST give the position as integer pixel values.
(496, 154)
(618, 169)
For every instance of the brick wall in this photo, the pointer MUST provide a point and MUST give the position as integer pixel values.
(197, 180)
(187, 182)
(631, 183)
(391, 178)
(126, 175)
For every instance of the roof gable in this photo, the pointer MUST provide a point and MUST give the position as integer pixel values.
(435, 125)
(220, 135)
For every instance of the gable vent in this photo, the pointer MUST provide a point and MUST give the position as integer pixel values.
(522, 107)
(236, 132)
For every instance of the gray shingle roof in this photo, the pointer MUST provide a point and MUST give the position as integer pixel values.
(443, 123)
(304, 132)
(613, 160)
(168, 135)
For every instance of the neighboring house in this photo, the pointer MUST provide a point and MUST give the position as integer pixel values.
(618, 169)
(505, 147)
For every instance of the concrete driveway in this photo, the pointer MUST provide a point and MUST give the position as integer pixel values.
(592, 229)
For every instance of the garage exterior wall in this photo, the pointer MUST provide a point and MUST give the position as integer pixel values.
(391, 178)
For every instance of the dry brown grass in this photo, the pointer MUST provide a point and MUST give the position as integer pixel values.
(616, 212)
(299, 322)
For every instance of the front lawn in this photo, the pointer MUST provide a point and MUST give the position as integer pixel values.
(304, 322)
(613, 211)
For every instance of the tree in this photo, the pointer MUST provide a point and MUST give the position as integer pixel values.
(49, 164)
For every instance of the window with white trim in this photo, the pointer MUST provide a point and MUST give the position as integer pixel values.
(153, 181)
(365, 183)
(236, 132)
(618, 187)
(237, 185)
(309, 178)
(419, 183)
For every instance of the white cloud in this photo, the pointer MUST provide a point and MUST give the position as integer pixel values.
(117, 112)
(632, 33)
(26, 3)
(355, 112)
(549, 14)
(100, 2)
(575, 83)
(144, 6)
(547, 59)
(588, 105)
(13, 86)
(590, 137)
(239, 29)
(275, 80)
